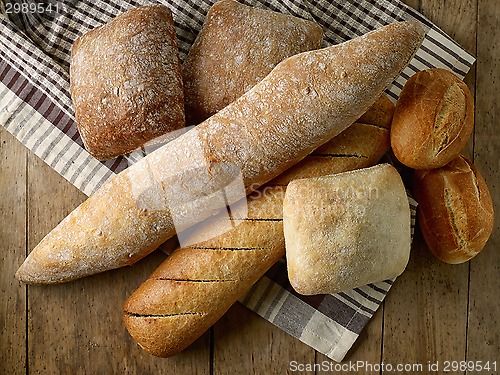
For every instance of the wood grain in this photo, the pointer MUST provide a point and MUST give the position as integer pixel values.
(13, 241)
(433, 312)
(415, 4)
(484, 292)
(426, 310)
(76, 327)
(244, 343)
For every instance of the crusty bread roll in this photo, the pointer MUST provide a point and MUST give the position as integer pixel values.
(126, 82)
(433, 120)
(236, 48)
(455, 210)
(346, 230)
(216, 273)
(344, 147)
(304, 102)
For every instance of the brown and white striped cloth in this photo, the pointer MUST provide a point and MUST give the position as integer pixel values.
(35, 106)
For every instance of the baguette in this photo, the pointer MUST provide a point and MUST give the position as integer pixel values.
(304, 102)
(216, 273)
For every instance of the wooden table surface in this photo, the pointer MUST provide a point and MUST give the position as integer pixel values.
(434, 312)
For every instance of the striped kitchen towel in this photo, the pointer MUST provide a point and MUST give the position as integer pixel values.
(35, 106)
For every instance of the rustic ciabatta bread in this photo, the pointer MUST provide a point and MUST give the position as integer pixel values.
(236, 48)
(346, 230)
(433, 120)
(196, 285)
(304, 102)
(455, 210)
(126, 82)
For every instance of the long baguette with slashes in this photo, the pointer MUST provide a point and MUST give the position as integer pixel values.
(197, 284)
(305, 101)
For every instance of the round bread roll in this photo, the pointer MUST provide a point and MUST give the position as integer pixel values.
(433, 120)
(455, 211)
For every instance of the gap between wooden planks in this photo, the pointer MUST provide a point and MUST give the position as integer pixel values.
(434, 312)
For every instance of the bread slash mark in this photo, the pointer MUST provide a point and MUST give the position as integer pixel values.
(255, 219)
(138, 315)
(197, 280)
(340, 156)
(228, 248)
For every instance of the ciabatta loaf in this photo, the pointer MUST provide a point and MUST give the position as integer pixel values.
(346, 230)
(304, 102)
(126, 81)
(236, 48)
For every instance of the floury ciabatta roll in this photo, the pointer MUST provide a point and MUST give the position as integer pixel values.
(126, 82)
(305, 101)
(236, 48)
(197, 284)
(346, 230)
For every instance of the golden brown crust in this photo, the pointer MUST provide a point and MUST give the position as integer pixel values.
(236, 48)
(304, 102)
(433, 120)
(126, 82)
(287, 118)
(98, 229)
(216, 273)
(348, 146)
(380, 114)
(154, 333)
(455, 210)
(197, 284)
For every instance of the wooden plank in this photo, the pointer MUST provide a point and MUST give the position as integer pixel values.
(457, 18)
(415, 4)
(76, 327)
(484, 308)
(419, 324)
(13, 242)
(244, 343)
(425, 316)
(426, 311)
